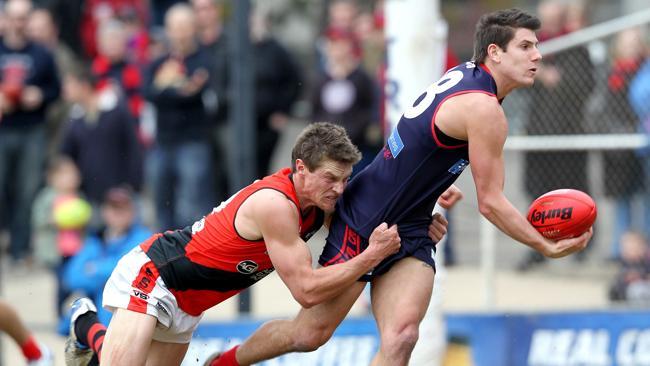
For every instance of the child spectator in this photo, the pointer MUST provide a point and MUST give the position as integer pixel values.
(88, 271)
(58, 217)
(632, 283)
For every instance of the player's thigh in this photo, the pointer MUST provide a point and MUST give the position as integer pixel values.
(401, 296)
(128, 338)
(323, 318)
(164, 353)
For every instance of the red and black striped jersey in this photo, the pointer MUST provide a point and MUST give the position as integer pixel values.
(208, 262)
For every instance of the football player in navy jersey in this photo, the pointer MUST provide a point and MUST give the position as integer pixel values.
(457, 120)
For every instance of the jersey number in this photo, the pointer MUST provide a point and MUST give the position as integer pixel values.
(446, 82)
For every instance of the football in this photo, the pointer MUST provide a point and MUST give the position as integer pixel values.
(563, 213)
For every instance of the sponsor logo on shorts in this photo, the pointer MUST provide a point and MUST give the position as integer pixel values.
(140, 294)
(308, 235)
(247, 266)
(160, 307)
(144, 282)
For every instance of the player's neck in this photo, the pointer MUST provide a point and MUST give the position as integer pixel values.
(504, 86)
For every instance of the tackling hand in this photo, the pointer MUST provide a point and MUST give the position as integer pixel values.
(438, 227)
(383, 242)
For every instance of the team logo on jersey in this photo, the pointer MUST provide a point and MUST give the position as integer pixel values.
(458, 167)
(395, 143)
(247, 266)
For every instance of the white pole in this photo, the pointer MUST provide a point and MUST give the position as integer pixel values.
(416, 42)
(487, 239)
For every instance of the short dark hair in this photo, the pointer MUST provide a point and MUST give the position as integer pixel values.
(82, 72)
(321, 141)
(499, 28)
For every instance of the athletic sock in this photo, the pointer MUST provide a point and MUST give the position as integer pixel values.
(227, 358)
(93, 361)
(90, 332)
(30, 349)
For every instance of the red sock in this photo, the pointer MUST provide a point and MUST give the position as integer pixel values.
(96, 338)
(227, 358)
(30, 349)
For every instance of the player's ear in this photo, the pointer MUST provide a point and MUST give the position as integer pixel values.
(494, 52)
(301, 168)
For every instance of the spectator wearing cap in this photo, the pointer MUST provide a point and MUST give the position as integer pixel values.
(344, 93)
(342, 15)
(90, 268)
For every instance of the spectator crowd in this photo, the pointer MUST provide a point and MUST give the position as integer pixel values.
(109, 107)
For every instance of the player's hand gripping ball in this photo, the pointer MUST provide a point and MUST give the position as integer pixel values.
(563, 213)
(72, 213)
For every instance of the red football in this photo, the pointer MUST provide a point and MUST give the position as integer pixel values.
(563, 213)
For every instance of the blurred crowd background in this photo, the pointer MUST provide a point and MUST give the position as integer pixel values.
(115, 120)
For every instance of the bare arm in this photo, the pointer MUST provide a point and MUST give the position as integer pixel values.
(277, 220)
(487, 131)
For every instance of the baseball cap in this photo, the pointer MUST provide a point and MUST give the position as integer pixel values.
(119, 197)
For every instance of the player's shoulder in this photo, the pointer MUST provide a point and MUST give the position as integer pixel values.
(481, 104)
(271, 201)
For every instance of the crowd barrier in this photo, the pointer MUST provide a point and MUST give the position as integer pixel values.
(603, 338)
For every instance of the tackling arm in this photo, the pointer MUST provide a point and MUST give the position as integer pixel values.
(277, 219)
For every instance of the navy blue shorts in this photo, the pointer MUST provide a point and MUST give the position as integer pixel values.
(343, 244)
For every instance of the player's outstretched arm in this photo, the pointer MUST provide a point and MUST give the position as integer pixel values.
(487, 130)
(278, 223)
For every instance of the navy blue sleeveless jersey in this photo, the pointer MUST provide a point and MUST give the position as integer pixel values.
(417, 164)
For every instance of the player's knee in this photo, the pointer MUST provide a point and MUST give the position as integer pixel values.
(311, 339)
(400, 339)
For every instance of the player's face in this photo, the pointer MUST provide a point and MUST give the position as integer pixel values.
(521, 59)
(325, 184)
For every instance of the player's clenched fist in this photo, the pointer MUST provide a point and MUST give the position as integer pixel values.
(384, 241)
(437, 227)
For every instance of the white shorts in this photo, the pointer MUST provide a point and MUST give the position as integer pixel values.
(135, 285)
